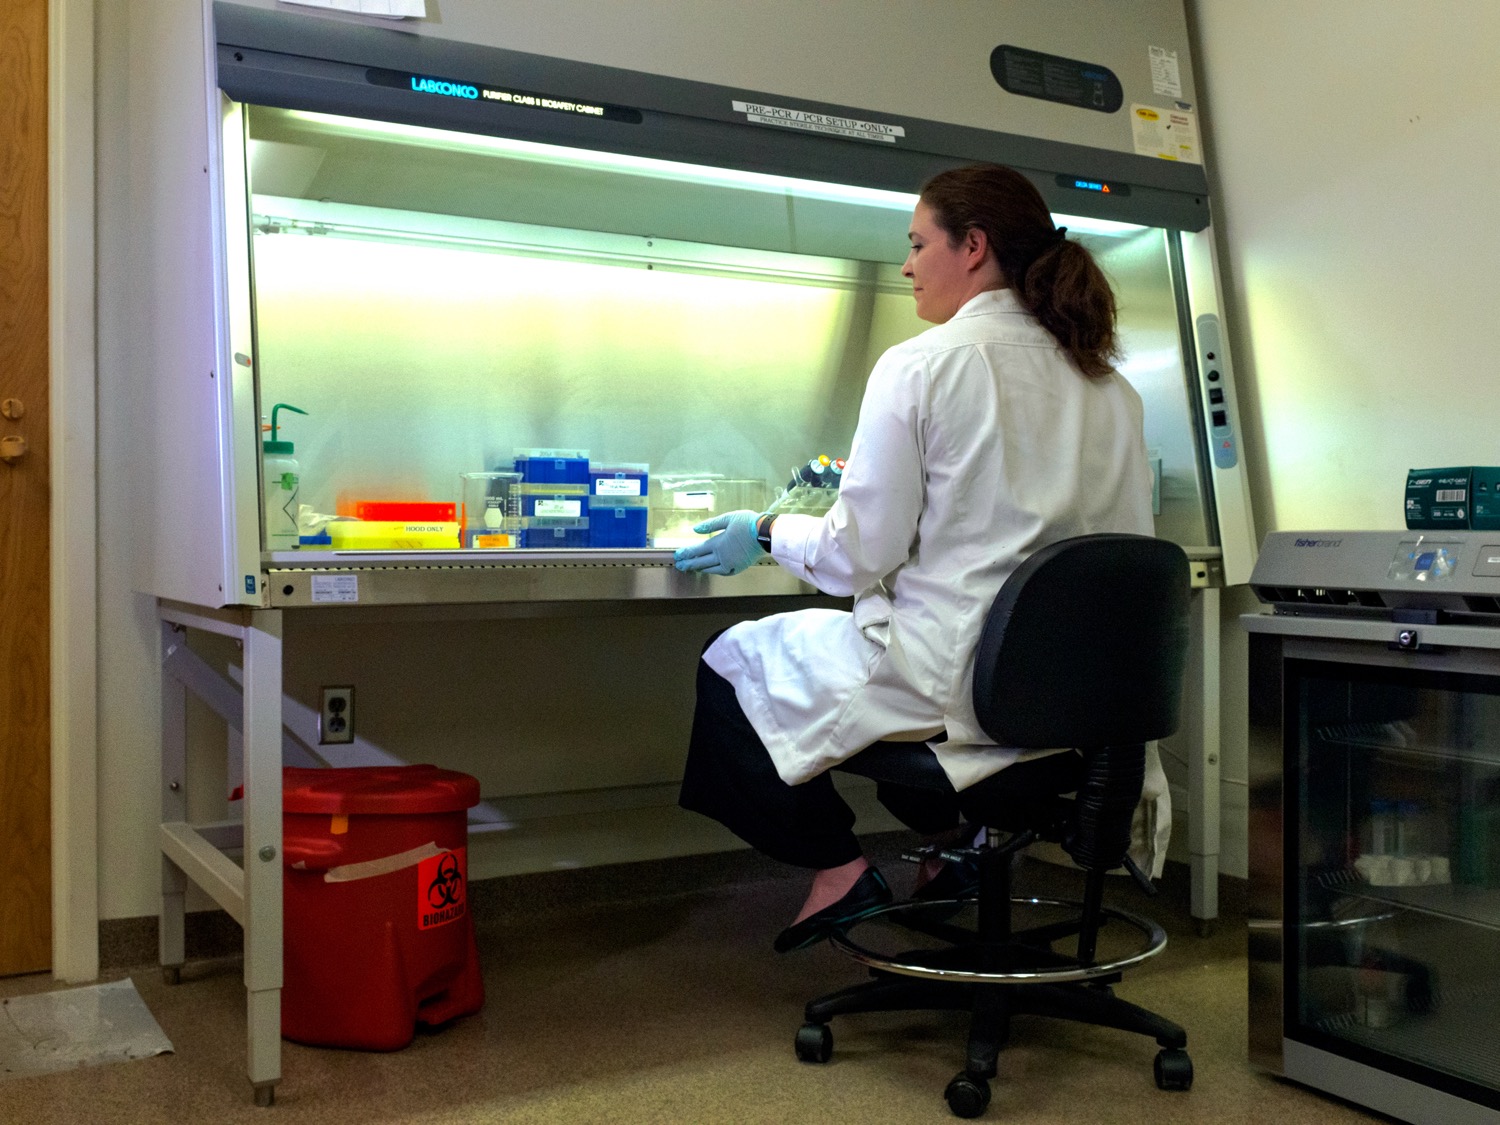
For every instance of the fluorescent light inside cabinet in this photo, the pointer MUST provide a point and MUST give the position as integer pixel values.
(608, 161)
(1105, 228)
(454, 141)
(313, 218)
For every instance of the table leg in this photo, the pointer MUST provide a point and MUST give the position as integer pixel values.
(1202, 729)
(171, 940)
(263, 904)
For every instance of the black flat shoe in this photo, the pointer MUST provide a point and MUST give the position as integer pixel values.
(868, 894)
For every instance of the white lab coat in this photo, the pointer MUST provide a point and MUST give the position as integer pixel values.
(978, 443)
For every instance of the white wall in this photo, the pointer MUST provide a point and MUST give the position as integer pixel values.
(1353, 148)
(1351, 145)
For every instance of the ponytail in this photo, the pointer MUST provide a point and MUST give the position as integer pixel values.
(1066, 291)
(1056, 280)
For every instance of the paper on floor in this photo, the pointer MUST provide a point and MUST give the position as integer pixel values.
(74, 1027)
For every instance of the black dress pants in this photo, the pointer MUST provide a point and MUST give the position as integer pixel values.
(730, 777)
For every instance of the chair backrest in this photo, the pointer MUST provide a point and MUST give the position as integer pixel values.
(1085, 645)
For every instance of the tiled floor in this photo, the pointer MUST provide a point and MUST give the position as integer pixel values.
(650, 994)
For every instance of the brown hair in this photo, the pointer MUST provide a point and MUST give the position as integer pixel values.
(1057, 280)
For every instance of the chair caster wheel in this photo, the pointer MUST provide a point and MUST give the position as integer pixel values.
(1174, 1070)
(967, 1096)
(814, 1043)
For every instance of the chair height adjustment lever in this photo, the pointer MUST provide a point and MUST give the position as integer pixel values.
(973, 855)
(921, 855)
(947, 855)
(1142, 879)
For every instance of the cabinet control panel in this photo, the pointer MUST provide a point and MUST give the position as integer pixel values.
(1213, 364)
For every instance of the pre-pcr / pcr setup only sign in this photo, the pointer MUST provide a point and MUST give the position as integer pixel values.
(834, 126)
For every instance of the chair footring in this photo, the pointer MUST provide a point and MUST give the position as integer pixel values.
(970, 959)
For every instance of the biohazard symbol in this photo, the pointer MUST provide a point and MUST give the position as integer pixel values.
(447, 886)
(440, 889)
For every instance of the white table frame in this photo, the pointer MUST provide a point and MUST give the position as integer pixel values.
(249, 891)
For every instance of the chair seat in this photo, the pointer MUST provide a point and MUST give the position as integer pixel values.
(1024, 795)
(899, 763)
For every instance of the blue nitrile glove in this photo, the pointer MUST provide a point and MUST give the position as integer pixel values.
(729, 552)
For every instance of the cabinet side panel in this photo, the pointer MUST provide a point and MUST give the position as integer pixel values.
(175, 401)
(1218, 408)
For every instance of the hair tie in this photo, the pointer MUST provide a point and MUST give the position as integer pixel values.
(1059, 234)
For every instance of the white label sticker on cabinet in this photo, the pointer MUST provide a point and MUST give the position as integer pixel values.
(1171, 134)
(335, 588)
(1166, 78)
(385, 9)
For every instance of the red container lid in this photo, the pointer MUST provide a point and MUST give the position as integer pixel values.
(405, 511)
(387, 790)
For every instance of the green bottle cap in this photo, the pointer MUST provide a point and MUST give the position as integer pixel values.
(270, 444)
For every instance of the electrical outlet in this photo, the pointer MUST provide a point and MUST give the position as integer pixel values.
(336, 720)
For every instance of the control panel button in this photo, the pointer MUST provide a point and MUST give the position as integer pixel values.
(1214, 365)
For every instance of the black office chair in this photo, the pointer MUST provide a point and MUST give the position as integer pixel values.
(1084, 647)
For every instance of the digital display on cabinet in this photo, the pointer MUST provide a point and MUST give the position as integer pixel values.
(1424, 560)
(1098, 187)
(435, 86)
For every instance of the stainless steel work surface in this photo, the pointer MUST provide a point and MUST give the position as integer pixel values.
(331, 579)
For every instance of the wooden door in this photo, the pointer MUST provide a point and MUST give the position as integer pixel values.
(25, 742)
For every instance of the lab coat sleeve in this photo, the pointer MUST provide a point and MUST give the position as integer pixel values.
(872, 527)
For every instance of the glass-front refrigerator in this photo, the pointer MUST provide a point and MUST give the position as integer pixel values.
(1375, 820)
(1396, 900)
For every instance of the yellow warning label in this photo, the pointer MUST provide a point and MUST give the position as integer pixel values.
(1168, 134)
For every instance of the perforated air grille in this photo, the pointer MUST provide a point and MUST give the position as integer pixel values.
(1320, 595)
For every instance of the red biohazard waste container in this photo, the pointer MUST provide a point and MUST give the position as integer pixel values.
(377, 932)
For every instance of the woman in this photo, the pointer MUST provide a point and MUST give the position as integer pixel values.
(999, 431)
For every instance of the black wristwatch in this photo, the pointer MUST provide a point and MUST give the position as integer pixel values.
(763, 531)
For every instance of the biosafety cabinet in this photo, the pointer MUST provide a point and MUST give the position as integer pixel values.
(476, 311)
(661, 243)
